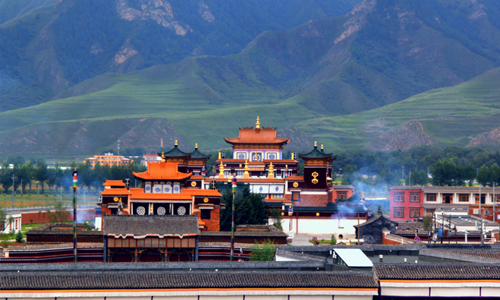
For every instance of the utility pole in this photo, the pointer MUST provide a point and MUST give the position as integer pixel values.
(21, 186)
(234, 185)
(75, 180)
(403, 172)
(409, 178)
(13, 189)
(494, 200)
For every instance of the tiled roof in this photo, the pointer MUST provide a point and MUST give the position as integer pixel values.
(315, 153)
(143, 225)
(175, 152)
(437, 271)
(264, 135)
(114, 183)
(193, 279)
(111, 192)
(197, 154)
(162, 171)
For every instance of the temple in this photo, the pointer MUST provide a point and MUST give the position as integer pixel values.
(165, 190)
(307, 200)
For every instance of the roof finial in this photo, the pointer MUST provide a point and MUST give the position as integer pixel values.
(315, 144)
(176, 143)
(322, 150)
(257, 125)
(196, 146)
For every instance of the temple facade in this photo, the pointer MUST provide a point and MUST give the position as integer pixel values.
(309, 202)
(164, 191)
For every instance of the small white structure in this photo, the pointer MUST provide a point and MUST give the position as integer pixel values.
(12, 223)
(352, 258)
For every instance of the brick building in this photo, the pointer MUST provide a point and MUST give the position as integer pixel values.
(108, 159)
(414, 202)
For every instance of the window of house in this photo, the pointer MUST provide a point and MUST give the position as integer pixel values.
(341, 195)
(463, 198)
(415, 197)
(399, 196)
(414, 212)
(399, 212)
(205, 214)
(295, 196)
(483, 198)
(431, 197)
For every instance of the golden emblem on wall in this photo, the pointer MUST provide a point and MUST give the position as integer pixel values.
(317, 214)
(314, 180)
(295, 184)
(205, 200)
(193, 183)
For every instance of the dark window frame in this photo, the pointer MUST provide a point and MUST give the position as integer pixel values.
(414, 195)
(428, 196)
(206, 214)
(412, 212)
(341, 195)
(295, 196)
(399, 197)
(399, 212)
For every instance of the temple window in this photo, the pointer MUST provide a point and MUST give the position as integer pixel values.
(399, 197)
(205, 214)
(295, 196)
(341, 195)
(177, 187)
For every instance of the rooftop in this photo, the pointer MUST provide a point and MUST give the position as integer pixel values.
(162, 170)
(141, 226)
(257, 135)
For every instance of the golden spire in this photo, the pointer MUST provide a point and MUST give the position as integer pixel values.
(176, 142)
(220, 155)
(221, 170)
(315, 144)
(293, 156)
(322, 147)
(162, 156)
(246, 174)
(271, 171)
(257, 125)
(196, 146)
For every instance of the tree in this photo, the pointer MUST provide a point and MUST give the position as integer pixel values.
(483, 176)
(41, 174)
(19, 237)
(469, 173)
(249, 209)
(2, 220)
(277, 218)
(419, 178)
(494, 174)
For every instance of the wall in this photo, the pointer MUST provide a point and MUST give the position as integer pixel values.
(319, 225)
(43, 216)
(406, 204)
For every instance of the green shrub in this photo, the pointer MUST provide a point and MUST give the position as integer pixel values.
(19, 237)
(333, 241)
(262, 252)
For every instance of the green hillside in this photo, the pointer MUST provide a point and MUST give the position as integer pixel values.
(338, 80)
(451, 116)
(11, 9)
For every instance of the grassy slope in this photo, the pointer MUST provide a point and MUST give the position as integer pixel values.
(11, 9)
(450, 115)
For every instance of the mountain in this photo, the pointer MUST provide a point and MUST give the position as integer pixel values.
(11, 9)
(340, 80)
(54, 47)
